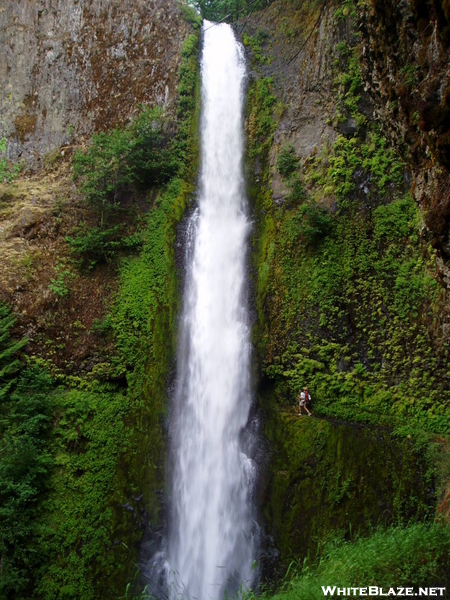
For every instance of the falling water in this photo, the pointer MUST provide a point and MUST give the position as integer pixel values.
(210, 548)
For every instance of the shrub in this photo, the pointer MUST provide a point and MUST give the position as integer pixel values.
(60, 285)
(287, 161)
(93, 246)
(227, 10)
(373, 157)
(316, 222)
(297, 193)
(24, 469)
(10, 365)
(396, 221)
(139, 155)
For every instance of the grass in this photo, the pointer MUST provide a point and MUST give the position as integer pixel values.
(99, 436)
(414, 556)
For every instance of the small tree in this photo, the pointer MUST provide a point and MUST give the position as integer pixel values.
(138, 155)
(10, 365)
(316, 222)
(287, 161)
(229, 10)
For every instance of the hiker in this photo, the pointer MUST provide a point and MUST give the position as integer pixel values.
(304, 400)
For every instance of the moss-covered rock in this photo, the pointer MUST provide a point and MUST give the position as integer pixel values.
(106, 445)
(327, 477)
(346, 293)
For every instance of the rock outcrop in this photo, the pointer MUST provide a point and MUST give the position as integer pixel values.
(406, 68)
(71, 68)
(348, 83)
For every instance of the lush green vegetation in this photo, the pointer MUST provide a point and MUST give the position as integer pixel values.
(136, 156)
(10, 364)
(337, 477)
(8, 171)
(348, 305)
(78, 520)
(24, 481)
(81, 464)
(369, 158)
(287, 161)
(256, 44)
(94, 245)
(92, 538)
(146, 154)
(261, 124)
(24, 461)
(347, 301)
(227, 10)
(415, 556)
(363, 344)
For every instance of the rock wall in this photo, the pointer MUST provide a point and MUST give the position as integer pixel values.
(406, 67)
(69, 68)
(336, 229)
(301, 77)
(328, 477)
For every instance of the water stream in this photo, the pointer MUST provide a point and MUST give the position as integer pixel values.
(210, 546)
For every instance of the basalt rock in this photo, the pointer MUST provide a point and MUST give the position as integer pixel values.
(405, 60)
(69, 69)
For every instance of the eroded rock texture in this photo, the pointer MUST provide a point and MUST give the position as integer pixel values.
(69, 68)
(405, 55)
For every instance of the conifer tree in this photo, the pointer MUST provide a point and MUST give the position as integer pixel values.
(10, 364)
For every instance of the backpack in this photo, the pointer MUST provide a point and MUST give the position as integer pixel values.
(308, 399)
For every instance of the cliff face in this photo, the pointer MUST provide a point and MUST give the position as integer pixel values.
(349, 265)
(71, 68)
(347, 154)
(406, 68)
(98, 335)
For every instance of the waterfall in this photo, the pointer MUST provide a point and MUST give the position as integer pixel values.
(210, 546)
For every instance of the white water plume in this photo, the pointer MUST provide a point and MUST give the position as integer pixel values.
(210, 548)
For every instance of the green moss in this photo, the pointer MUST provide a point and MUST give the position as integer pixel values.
(143, 320)
(335, 477)
(351, 323)
(347, 304)
(260, 125)
(78, 525)
(107, 441)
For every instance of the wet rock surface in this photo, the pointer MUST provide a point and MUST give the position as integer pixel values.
(406, 67)
(328, 475)
(302, 79)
